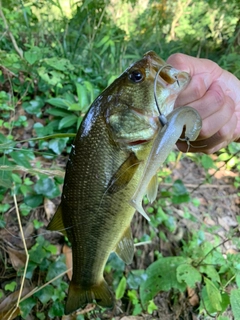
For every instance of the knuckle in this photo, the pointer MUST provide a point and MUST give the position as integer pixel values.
(199, 89)
(177, 57)
(218, 96)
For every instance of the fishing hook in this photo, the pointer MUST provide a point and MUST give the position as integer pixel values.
(162, 117)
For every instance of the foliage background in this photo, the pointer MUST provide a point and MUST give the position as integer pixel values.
(55, 58)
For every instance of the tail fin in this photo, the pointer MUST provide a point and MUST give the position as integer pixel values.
(79, 297)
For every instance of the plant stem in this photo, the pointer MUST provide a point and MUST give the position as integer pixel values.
(16, 47)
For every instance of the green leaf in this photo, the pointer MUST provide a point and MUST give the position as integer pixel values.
(180, 193)
(224, 156)
(57, 267)
(188, 274)
(4, 207)
(121, 288)
(45, 294)
(37, 224)
(75, 107)
(26, 306)
(67, 121)
(207, 162)
(214, 295)
(57, 310)
(16, 178)
(37, 253)
(158, 281)
(10, 286)
(20, 158)
(58, 102)
(24, 209)
(52, 78)
(33, 201)
(33, 55)
(58, 112)
(137, 309)
(238, 279)
(102, 41)
(133, 296)
(135, 278)
(58, 145)
(210, 272)
(82, 96)
(59, 64)
(47, 188)
(34, 106)
(151, 307)
(234, 299)
(2, 222)
(40, 315)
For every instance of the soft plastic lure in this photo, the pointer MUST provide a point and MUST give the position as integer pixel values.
(165, 140)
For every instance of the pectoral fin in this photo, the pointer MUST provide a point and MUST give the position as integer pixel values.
(125, 247)
(124, 174)
(56, 224)
(152, 189)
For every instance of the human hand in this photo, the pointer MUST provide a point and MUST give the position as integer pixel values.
(215, 94)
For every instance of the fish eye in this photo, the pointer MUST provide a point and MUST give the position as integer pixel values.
(136, 76)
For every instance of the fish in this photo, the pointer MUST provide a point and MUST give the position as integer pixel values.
(104, 168)
(164, 142)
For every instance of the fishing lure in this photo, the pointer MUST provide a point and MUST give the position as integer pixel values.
(166, 138)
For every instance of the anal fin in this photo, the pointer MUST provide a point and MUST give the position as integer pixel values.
(125, 247)
(56, 224)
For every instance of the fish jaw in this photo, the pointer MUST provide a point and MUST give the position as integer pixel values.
(170, 81)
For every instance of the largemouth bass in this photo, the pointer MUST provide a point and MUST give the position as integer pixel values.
(105, 166)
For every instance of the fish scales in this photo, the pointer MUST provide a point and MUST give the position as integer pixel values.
(104, 168)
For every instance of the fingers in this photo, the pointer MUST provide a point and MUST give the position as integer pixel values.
(217, 132)
(196, 66)
(215, 94)
(211, 101)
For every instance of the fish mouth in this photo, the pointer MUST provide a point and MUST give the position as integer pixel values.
(168, 75)
(137, 142)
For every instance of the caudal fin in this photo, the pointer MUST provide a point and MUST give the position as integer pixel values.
(79, 297)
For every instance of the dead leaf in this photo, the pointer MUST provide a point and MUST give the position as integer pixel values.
(231, 251)
(89, 307)
(68, 254)
(28, 230)
(49, 208)
(209, 221)
(226, 222)
(17, 257)
(8, 304)
(192, 297)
